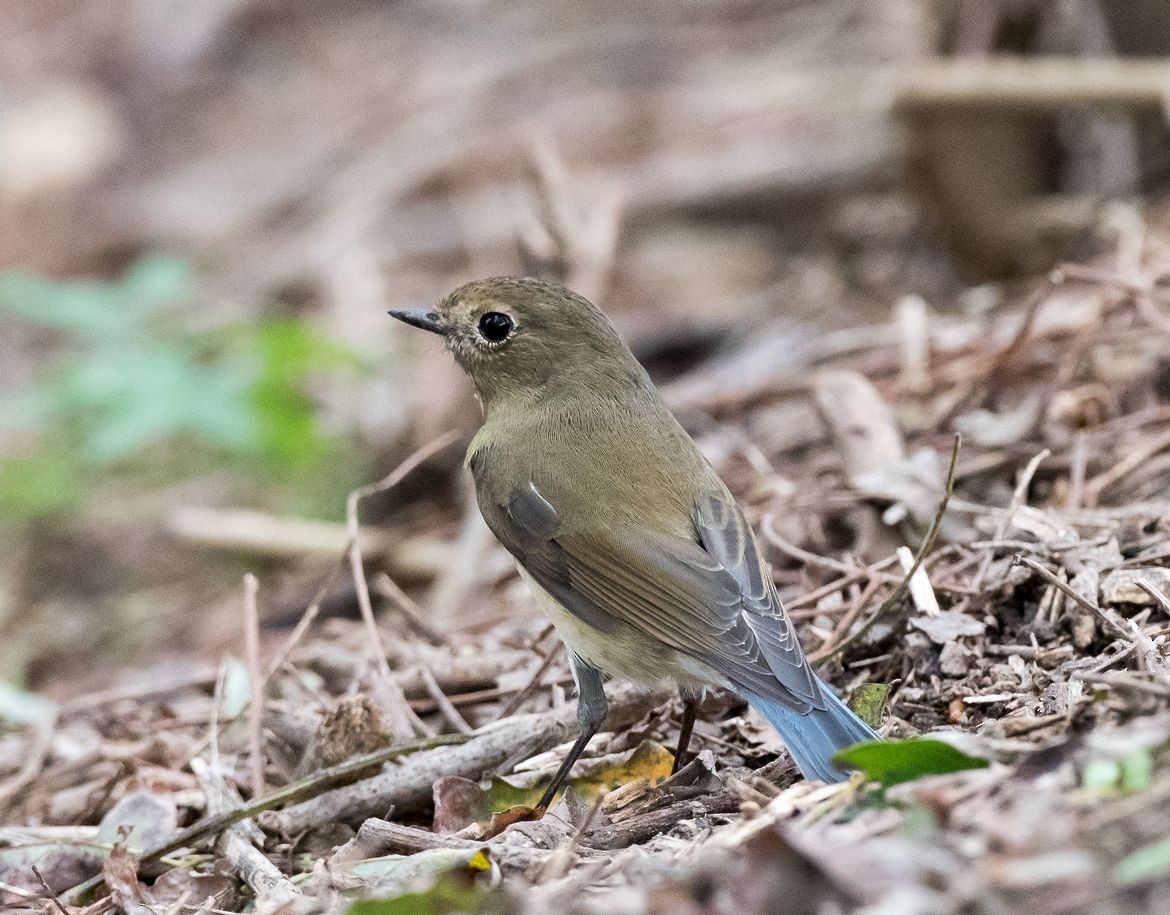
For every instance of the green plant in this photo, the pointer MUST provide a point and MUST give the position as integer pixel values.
(130, 376)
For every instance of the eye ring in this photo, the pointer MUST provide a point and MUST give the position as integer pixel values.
(495, 326)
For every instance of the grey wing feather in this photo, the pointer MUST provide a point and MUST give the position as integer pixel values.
(527, 524)
(710, 598)
(726, 537)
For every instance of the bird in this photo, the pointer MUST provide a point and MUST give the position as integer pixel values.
(630, 542)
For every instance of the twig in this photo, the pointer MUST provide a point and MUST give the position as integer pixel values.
(401, 721)
(19, 891)
(874, 570)
(1034, 83)
(49, 890)
(255, 678)
(1158, 597)
(1131, 462)
(557, 864)
(580, 240)
(549, 655)
(388, 588)
(237, 841)
(299, 791)
(409, 785)
(921, 591)
(1126, 680)
(446, 709)
(1019, 496)
(810, 599)
(855, 606)
(900, 591)
(1078, 467)
(306, 620)
(1079, 599)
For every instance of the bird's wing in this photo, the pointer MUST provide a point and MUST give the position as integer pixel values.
(709, 597)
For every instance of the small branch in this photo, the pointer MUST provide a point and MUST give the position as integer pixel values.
(49, 891)
(403, 723)
(1158, 597)
(446, 709)
(558, 863)
(899, 592)
(1080, 600)
(1127, 465)
(256, 681)
(259, 535)
(389, 589)
(298, 791)
(1019, 497)
(550, 655)
(237, 841)
(408, 786)
(921, 590)
(1034, 83)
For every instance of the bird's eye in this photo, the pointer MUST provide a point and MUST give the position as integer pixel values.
(495, 326)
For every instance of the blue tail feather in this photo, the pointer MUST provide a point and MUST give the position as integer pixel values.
(813, 738)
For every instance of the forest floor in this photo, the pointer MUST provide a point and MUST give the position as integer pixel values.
(381, 759)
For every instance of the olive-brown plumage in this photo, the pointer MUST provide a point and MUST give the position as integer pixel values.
(632, 544)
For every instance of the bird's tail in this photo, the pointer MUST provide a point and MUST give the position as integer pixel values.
(813, 738)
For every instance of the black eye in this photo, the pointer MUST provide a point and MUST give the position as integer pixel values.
(495, 326)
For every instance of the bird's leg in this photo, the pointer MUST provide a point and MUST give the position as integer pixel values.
(684, 731)
(592, 708)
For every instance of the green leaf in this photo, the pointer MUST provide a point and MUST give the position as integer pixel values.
(1147, 862)
(135, 383)
(288, 352)
(464, 887)
(1101, 774)
(39, 485)
(94, 308)
(84, 307)
(153, 283)
(891, 762)
(868, 701)
(1137, 770)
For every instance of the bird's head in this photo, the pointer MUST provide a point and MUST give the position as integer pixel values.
(520, 338)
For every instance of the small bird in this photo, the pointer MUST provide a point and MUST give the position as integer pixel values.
(630, 542)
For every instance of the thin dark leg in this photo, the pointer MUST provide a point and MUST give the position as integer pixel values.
(684, 731)
(592, 708)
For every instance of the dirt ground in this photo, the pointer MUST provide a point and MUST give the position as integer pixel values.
(924, 337)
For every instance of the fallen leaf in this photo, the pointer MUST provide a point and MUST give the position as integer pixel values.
(948, 626)
(1121, 586)
(501, 820)
(140, 820)
(1145, 863)
(459, 802)
(649, 760)
(995, 430)
(1045, 527)
(394, 875)
(868, 702)
(120, 873)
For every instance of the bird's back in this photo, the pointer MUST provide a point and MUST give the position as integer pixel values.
(649, 472)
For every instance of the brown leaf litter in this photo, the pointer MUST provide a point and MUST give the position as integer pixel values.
(1034, 635)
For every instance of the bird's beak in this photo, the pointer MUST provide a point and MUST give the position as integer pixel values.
(420, 317)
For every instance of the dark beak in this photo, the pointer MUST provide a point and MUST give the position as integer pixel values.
(420, 317)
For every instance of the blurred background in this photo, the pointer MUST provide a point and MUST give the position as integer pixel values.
(206, 208)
